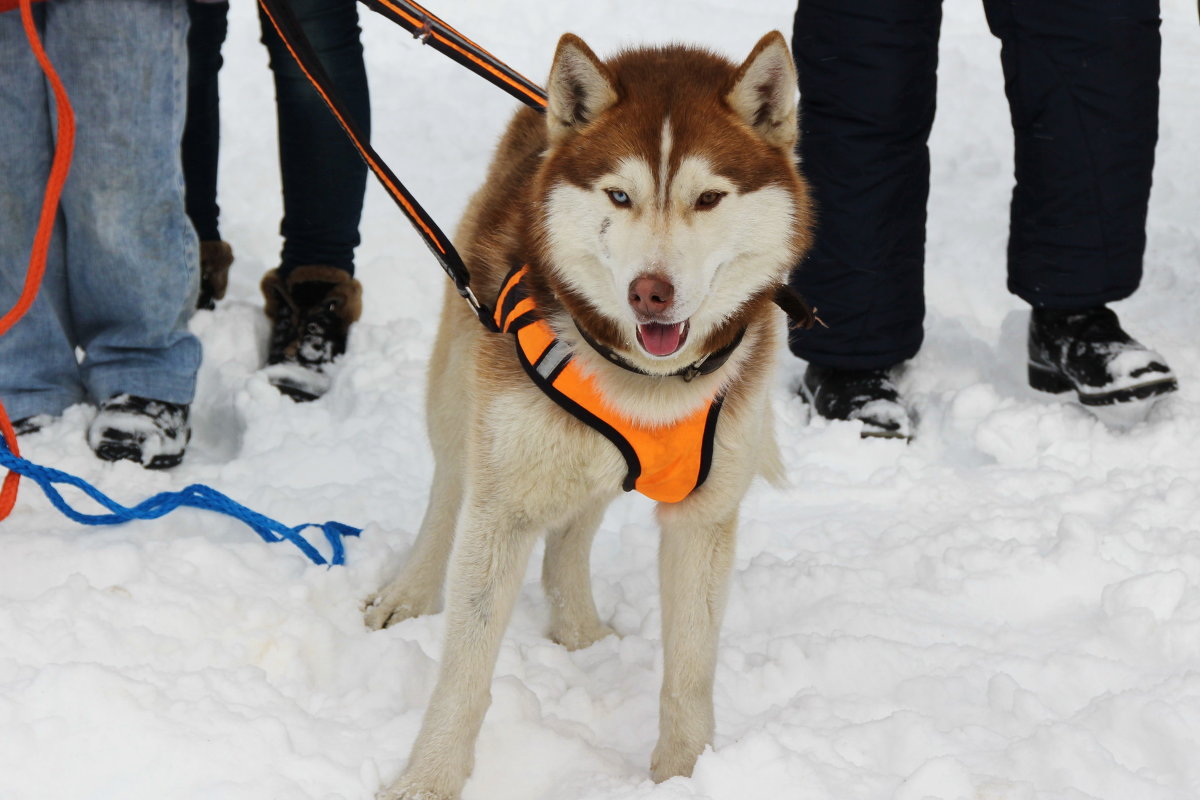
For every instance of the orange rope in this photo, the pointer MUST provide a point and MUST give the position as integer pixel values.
(41, 241)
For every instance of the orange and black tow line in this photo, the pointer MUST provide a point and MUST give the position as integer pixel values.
(439, 35)
(665, 463)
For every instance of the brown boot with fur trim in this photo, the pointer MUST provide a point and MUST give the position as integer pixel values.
(215, 260)
(311, 311)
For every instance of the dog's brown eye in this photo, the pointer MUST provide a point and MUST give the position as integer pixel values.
(708, 200)
(620, 199)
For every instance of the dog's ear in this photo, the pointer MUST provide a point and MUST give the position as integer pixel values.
(764, 92)
(580, 87)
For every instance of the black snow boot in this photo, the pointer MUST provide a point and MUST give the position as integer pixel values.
(867, 395)
(311, 311)
(215, 259)
(1088, 353)
(153, 433)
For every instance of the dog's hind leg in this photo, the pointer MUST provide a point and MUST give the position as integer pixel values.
(695, 560)
(485, 576)
(567, 580)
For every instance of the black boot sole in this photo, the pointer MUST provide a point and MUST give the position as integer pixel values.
(1050, 380)
(110, 451)
(875, 433)
(297, 395)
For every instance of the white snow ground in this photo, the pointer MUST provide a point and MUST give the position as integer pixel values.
(1008, 608)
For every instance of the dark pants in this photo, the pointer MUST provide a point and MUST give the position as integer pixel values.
(1081, 78)
(322, 174)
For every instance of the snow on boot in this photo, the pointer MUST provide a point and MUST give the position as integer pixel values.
(1087, 352)
(866, 395)
(311, 311)
(153, 433)
(215, 260)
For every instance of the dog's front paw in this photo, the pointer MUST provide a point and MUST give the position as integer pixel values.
(408, 789)
(579, 636)
(395, 603)
(671, 759)
(412, 793)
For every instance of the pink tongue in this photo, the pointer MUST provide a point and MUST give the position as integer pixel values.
(660, 339)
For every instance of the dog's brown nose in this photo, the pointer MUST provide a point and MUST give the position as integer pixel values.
(651, 295)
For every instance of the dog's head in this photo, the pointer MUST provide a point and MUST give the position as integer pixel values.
(671, 207)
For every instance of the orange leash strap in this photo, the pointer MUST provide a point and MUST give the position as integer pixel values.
(63, 148)
(439, 35)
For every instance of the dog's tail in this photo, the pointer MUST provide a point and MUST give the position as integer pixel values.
(770, 460)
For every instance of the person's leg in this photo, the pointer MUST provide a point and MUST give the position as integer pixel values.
(1082, 83)
(868, 87)
(131, 255)
(201, 144)
(323, 176)
(131, 250)
(202, 133)
(867, 74)
(312, 299)
(39, 374)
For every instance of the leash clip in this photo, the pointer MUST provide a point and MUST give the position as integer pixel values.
(424, 32)
(471, 299)
(481, 311)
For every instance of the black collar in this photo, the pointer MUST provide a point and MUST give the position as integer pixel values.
(707, 364)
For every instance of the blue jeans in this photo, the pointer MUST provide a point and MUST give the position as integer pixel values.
(122, 273)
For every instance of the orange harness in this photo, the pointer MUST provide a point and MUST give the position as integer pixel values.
(665, 463)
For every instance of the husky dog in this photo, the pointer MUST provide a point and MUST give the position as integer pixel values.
(652, 214)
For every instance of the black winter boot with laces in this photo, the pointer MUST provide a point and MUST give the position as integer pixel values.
(1087, 352)
(868, 395)
(311, 311)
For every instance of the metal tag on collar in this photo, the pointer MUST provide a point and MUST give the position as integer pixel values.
(692, 370)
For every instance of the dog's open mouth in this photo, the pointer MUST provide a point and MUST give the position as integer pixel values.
(661, 339)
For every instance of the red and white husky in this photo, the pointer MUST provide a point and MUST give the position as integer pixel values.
(656, 209)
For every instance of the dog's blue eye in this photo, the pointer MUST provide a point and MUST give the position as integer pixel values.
(618, 197)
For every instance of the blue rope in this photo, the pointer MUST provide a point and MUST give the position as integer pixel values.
(194, 496)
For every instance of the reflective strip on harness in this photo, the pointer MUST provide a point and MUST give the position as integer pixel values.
(664, 463)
